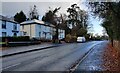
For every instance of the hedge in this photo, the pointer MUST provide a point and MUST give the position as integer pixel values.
(15, 39)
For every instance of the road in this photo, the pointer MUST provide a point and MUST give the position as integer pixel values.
(52, 59)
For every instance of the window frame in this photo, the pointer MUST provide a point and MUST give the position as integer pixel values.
(15, 27)
(3, 24)
(5, 34)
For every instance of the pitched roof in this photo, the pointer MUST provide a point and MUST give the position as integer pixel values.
(35, 21)
(7, 19)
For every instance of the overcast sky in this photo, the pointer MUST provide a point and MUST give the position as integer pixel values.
(11, 8)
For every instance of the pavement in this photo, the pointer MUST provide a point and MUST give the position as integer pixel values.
(8, 51)
(60, 58)
(93, 61)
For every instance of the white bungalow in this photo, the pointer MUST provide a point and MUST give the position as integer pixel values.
(39, 29)
(8, 27)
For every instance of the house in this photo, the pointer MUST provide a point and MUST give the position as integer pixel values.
(39, 29)
(8, 27)
(61, 34)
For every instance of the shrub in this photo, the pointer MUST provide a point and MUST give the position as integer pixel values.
(70, 38)
(87, 37)
(44, 40)
(74, 39)
(15, 39)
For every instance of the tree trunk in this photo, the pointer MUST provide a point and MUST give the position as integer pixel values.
(56, 39)
(112, 42)
(57, 34)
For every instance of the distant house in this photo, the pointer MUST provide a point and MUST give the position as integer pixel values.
(39, 29)
(61, 33)
(8, 27)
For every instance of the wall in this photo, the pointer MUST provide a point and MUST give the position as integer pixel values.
(29, 29)
(45, 31)
(0, 28)
(9, 28)
(41, 31)
(37, 31)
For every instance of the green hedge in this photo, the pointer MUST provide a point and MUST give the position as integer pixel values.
(15, 39)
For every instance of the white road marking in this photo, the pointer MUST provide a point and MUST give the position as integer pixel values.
(11, 66)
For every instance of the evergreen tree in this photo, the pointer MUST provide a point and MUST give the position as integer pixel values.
(20, 17)
(51, 17)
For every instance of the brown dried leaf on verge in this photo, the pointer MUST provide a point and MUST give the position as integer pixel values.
(111, 59)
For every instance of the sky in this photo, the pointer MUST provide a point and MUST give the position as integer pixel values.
(10, 8)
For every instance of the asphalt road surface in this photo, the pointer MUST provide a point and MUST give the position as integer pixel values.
(52, 59)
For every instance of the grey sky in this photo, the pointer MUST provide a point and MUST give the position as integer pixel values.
(11, 8)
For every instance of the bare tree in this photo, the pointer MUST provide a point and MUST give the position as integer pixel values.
(33, 13)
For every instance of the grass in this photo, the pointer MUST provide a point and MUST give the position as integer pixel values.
(2, 43)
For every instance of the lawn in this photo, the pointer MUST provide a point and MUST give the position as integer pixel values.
(2, 43)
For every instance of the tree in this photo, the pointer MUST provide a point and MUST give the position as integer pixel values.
(33, 13)
(73, 20)
(110, 12)
(82, 32)
(20, 17)
(78, 19)
(109, 29)
(64, 25)
(52, 18)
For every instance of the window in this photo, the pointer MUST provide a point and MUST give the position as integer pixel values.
(24, 33)
(15, 27)
(4, 34)
(4, 24)
(39, 34)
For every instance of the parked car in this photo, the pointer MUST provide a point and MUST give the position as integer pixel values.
(81, 39)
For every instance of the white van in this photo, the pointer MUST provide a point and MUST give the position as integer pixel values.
(81, 39)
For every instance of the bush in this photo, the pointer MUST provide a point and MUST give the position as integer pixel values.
(87, 37)
(70, 38)
(45, 40)
(74, 39)
(63, 39)
(20, 38)
(15, 39)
